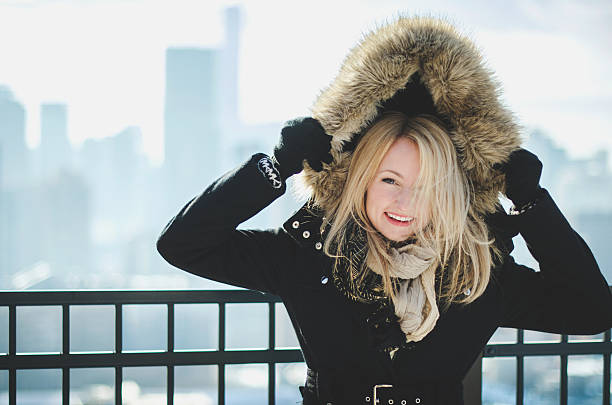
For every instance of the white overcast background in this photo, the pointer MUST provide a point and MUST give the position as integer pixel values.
(105, 59)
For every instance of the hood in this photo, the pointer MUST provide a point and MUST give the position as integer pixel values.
(417, 65)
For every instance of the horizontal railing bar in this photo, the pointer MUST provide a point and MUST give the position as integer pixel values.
(149, 359)
(545, 349)
(109, 297)
(131, 359)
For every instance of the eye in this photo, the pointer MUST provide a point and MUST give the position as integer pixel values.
(388, 180)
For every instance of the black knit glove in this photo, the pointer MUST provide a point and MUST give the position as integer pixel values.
(302, 138)
(523, 170)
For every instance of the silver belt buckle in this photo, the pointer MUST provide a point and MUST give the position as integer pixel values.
(376, 387)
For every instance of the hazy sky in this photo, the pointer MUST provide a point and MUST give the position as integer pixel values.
(105, 59)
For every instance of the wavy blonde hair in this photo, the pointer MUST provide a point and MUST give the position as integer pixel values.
(464, 253)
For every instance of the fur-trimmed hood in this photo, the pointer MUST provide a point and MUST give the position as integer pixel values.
(421, 65)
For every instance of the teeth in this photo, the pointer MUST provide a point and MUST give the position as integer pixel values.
(403, 219)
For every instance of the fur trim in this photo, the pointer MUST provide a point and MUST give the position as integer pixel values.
(464, 92)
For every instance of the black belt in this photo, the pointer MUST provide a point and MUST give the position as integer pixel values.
(322, 389)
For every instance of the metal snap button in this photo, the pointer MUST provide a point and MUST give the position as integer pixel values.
(324, 280)
(306, 234)
(417, 401)
(295, 224)
(318, 245)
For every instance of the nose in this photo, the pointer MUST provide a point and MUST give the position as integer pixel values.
(403, 198)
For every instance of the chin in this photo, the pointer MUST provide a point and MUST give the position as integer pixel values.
(397, 238)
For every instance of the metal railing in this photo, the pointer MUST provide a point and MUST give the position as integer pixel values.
(520, 350)
(65, 360)
(120, 359)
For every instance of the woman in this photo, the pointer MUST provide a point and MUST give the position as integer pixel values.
(397, 270)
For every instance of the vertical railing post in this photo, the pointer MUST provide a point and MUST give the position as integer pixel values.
(563, 376)
(606, 372)
(170, 368)
(271, 344)
(12, 352)
(221, 366)
(118, 350)
(65, 352)
(520, 372)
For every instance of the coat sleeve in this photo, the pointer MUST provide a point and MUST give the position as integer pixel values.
(202, 238)
(569, 295)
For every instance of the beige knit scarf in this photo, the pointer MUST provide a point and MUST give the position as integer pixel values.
(415, 303)
(411, 264)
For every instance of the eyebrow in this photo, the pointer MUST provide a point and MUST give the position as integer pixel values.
(392, 171)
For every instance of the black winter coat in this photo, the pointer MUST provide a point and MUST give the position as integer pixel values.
(569, 295)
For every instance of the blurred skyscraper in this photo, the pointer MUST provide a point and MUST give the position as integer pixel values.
(239, 140)
(14, 169)
(191, 121)
(64, 226)
(46, 222)
(228, 96)
(55, 148)
(115, 171)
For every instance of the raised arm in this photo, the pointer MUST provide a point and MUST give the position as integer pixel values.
(202, 238)
(569, 294)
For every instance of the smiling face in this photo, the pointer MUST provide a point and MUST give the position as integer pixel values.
(390, 198)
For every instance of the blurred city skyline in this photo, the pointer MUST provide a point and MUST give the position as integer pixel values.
(89, 216)
(106, 60)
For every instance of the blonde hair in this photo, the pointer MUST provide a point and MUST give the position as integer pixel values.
(453, 231)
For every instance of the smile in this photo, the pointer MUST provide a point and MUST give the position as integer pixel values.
(398, 220)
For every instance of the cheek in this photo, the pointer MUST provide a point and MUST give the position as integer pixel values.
(375, 201)
(371, 203)
(369, 207)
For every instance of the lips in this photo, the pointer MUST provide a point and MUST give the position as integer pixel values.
(402, 221)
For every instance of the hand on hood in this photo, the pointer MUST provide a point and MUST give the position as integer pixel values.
(523, 171)
(302, 138)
